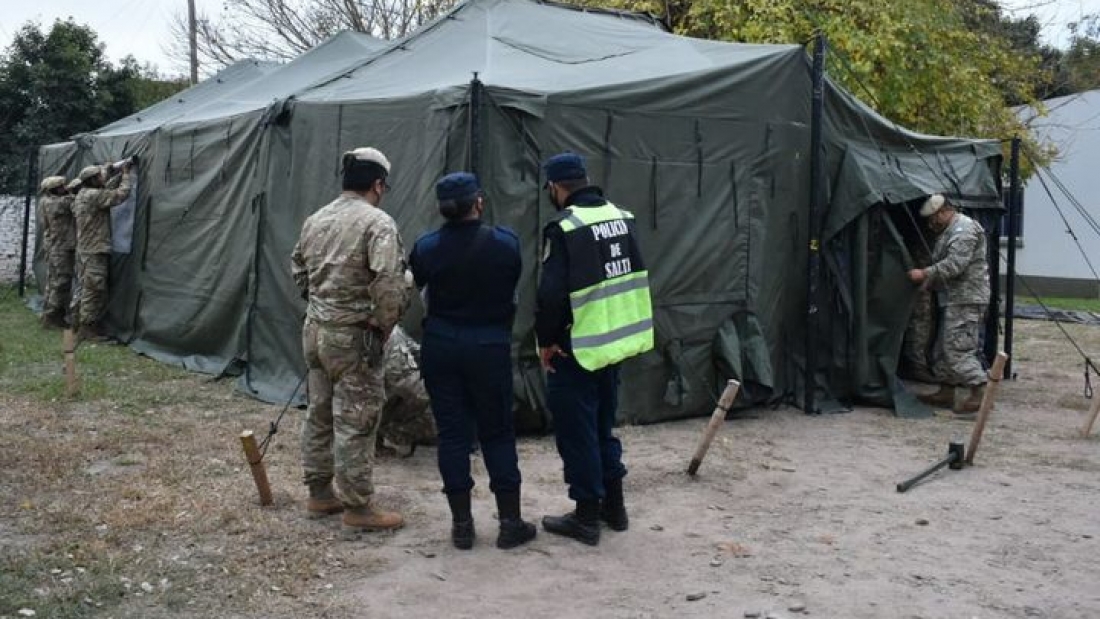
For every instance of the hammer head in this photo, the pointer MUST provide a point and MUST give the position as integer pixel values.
(957, 453)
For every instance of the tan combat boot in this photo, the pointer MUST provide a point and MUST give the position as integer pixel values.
(944, 398)
(370, 518)
(974, 401)
(322, 501)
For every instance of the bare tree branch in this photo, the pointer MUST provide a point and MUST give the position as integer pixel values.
(281, 30)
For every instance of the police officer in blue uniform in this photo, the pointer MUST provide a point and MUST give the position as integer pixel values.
(468, 272)
(593, 310)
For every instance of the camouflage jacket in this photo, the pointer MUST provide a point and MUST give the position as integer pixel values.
(58, 228)
(92, 210)
(350, 264)
(959, 271)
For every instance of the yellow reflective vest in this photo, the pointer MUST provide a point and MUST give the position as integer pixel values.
(608, 286)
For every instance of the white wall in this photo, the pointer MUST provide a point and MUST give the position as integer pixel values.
(1073, 125)
(11, 236)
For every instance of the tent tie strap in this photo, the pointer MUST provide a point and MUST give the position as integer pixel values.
(1088, 378)
(273, 427)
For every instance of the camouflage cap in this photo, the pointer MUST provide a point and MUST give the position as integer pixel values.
(90, 172)
(370, 154)
(932, 205)
(73, 185)
(52, 182)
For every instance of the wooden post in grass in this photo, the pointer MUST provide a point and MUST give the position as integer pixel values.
(68, 346)
(1093, 412)
(716, 419)
(256, 463)
(996, 373)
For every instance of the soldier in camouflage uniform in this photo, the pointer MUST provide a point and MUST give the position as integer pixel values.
(59, 240)
(959, 275)
(349, 265)
(92, 211)
(407, 420)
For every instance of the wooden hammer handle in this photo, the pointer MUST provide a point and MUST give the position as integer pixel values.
(996, 373)
(716, 419)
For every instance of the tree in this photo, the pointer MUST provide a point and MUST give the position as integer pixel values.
(921, 63)
(281, 30)
(1081, 62)
(55, 84)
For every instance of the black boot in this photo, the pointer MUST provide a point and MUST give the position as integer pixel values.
(613, 509)
(513, 529)
(582, 525)
(462, 521)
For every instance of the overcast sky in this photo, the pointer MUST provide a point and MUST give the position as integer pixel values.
(141, 27)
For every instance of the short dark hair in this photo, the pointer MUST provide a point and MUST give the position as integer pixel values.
(458, 208)
(362, 175)
(572, 184)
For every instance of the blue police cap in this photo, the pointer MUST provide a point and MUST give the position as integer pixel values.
(457, 185)
(564, 167)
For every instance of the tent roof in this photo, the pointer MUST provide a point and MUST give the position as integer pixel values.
(534, 47)
(250, 85)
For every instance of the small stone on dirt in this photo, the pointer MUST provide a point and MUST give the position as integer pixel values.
(797, 607)
(752, 614)
(656, 527)
(26, 612)
(439, 577)
(716, 563)
(427, 554)
(146, 587)
(695, 597)
(922, 522)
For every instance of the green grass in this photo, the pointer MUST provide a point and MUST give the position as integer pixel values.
(1084, 305)
(32, 364)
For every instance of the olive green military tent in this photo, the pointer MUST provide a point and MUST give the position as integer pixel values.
(708, 143)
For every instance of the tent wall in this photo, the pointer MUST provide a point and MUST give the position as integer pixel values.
(707, 143)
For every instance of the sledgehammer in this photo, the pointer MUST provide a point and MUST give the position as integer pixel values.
(954, 459)
(716, 419)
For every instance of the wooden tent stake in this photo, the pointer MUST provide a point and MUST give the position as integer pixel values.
(256, 463)
(68, 346)
(716, 419)
(1093, 412)
(996, 373)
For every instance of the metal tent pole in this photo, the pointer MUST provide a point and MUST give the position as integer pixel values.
(475, 125)
(1013, 230)
(817, 204)
(32, 161)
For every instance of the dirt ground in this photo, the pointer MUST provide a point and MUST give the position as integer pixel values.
(153, 514)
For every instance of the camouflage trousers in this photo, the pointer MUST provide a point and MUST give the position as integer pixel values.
(958, 347)
(93, 271)
(346, 398)
(919, 336)
(408, 416)
(59, 282)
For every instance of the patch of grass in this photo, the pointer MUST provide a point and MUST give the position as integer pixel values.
(32, 364)
(1080, 305)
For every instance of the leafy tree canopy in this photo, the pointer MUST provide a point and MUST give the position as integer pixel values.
(57, 83)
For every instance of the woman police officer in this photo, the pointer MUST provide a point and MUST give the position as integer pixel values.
(469, 272)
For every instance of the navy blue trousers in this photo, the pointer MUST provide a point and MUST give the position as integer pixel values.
(468, 375)
(583, 404)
